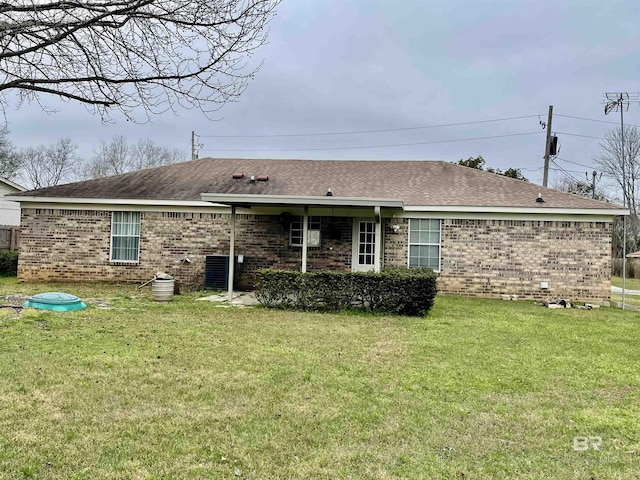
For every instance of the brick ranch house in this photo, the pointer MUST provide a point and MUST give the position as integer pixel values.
(486, 235)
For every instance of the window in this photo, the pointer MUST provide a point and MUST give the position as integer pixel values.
(125, 236)
(295, 232)
(424, 243)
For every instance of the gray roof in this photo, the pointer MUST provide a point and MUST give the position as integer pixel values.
(417, 183)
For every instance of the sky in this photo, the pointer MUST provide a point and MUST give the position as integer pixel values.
(336, 66)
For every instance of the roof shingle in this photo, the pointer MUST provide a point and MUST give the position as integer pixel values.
(417, 183)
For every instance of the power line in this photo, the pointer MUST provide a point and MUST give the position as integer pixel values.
(575, 163)
(550, 168)
(358, 132)
(585, 119)
(578, 135)
(375, 146)
(590, 167)
(571, 171)
(593, 120)
(566, 172)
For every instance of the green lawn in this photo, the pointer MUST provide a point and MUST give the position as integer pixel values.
(630, 284)
(479, 389)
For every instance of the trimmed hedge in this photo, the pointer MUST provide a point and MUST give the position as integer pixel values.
(395, 290)
(8, 263)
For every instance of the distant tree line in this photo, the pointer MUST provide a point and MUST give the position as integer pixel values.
(479, 164)
(48, 165)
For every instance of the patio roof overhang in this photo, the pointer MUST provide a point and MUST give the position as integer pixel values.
(248, 201)
(304, 201)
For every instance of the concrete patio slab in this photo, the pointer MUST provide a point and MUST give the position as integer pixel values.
(240, 299)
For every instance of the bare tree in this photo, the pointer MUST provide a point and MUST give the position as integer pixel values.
(117, 156)
(9, 159)
(49, 165)
(146, 154)
(584, 189)
(611, 158)
(111, 158)
(116, 54)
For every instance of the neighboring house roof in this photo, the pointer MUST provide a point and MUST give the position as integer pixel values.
(416, 183)
(11, 184)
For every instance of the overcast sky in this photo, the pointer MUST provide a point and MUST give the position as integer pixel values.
(336, 66)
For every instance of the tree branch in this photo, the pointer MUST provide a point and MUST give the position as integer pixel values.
(126, 55)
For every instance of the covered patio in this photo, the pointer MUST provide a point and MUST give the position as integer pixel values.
(367, 215)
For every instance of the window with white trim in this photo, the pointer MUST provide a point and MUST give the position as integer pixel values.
(424, 243)
(313, 230)
(125, 236)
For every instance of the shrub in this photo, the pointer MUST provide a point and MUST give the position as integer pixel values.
(633, 267)
(8, 263)
(395, 290)
(276, 287)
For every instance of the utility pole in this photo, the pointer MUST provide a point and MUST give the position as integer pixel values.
(594, 175)
(193, 145)
(547, 149)
(620, 101)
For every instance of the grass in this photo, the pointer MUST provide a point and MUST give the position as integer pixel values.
(630, 284)
(479, 389)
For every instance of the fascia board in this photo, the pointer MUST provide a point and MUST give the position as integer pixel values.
(108, 201)
(520, 210)
(6, 181)
(257, 200)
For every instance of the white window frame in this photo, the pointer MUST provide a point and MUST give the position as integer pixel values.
(427, 244)
(115, 214)
(296, 226)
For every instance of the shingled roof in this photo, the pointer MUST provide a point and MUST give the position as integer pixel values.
(416, 183)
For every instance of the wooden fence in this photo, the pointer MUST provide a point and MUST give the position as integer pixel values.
(9, 238)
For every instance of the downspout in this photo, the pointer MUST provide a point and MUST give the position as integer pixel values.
(378, 239)
(305, 234)
(232, 253)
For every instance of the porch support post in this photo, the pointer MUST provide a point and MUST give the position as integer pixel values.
(232, 252)
(378, 247)
(305, 234)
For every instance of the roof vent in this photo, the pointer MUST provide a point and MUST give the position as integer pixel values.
(237, 176)
(329, 193)
(263, 178)
(252, 179)
(539, 199)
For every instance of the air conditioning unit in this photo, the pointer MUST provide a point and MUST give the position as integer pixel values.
(216, 272)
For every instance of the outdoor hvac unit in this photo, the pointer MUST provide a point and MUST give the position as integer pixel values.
(216, 272)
